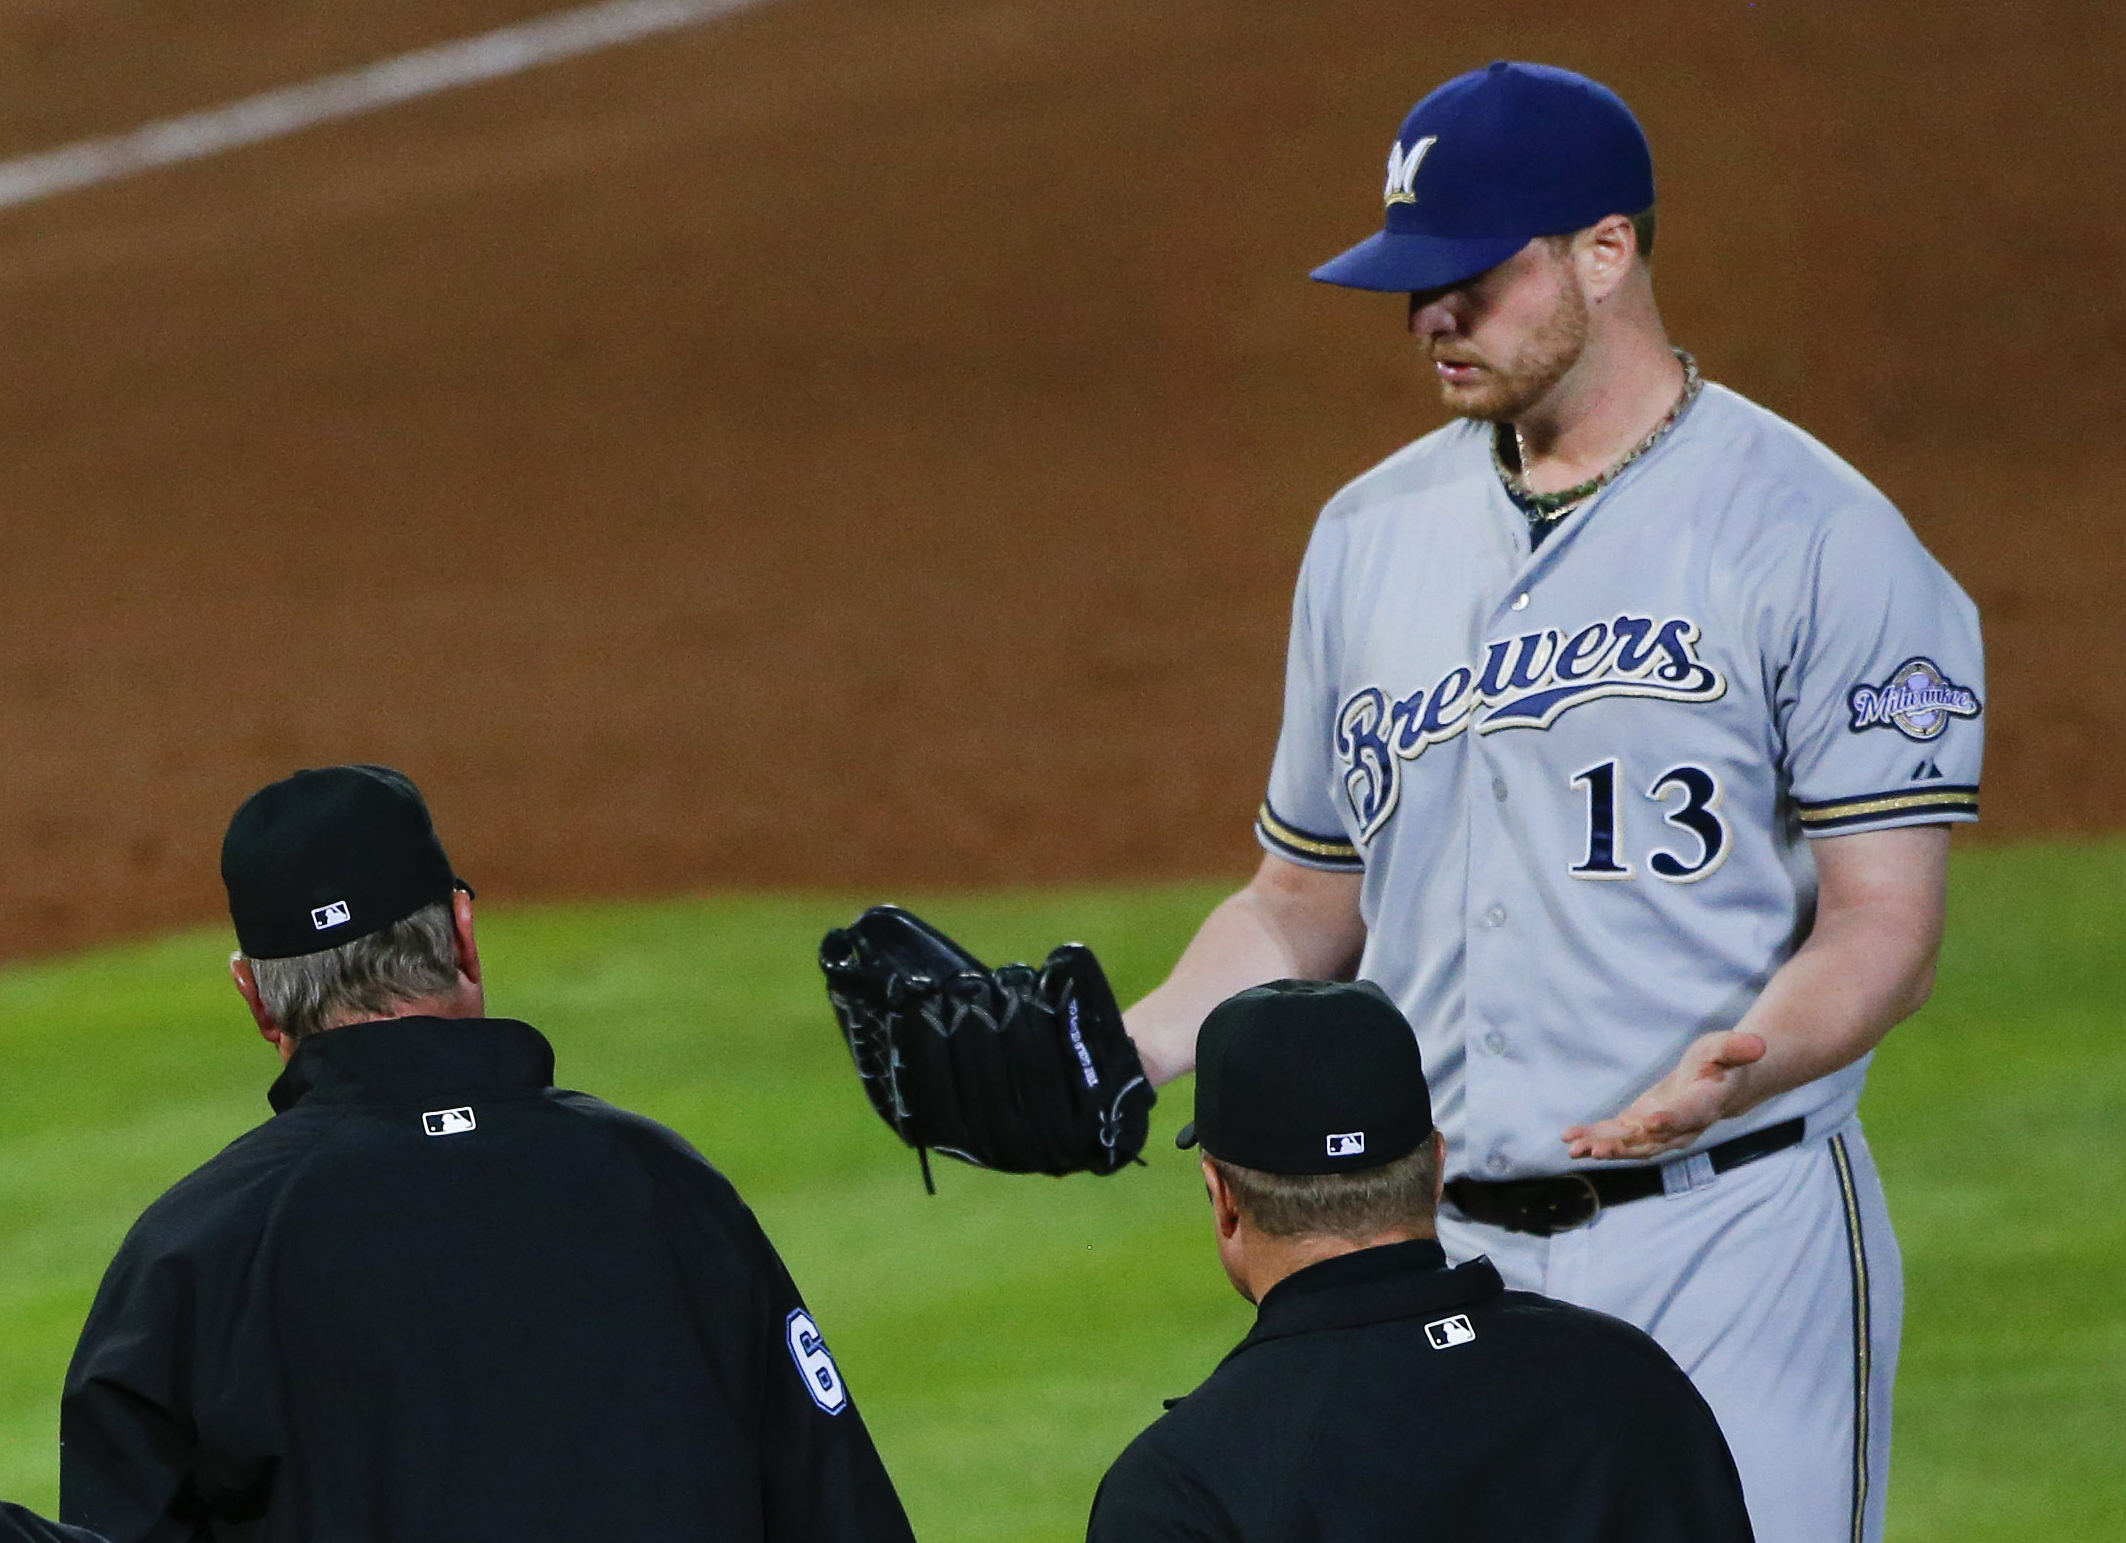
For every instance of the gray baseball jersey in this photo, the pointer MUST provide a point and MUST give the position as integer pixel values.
(1579, 781)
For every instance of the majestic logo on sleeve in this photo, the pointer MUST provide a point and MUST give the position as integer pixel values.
(1402, 171)
(1917, 701)
(1523, 683)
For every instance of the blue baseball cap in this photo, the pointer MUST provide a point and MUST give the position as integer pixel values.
(1490, 161)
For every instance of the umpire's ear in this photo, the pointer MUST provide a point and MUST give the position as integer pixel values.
(1233, 1239)
(461, 930)
(247, 988)
(1225, 1211)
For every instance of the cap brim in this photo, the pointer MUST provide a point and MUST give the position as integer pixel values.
(1186, 1136)
(1403, 261)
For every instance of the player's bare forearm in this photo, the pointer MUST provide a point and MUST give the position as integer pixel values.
(1288, 922)
(1867, 965)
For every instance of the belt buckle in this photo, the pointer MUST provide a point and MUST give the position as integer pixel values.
(1548, 1217)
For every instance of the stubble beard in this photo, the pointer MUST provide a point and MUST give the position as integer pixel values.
(1505, 391)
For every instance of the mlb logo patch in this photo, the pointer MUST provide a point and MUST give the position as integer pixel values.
(1349, 1144)
(1446, 1333)
(333, 915)
(448, 1122)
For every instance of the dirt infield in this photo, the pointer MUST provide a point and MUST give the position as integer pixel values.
(869, 441)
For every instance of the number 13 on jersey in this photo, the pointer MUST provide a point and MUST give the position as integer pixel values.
(1688, 798)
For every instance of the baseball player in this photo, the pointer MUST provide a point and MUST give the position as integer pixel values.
(1623, 724)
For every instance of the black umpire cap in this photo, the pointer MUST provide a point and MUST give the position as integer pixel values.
(1309, 1076)
(330, 855)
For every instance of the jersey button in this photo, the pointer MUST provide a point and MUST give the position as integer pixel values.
(1498, 789)
(1495, 1042)
(1520, 601)
(1495, 917)
(1496, 1162)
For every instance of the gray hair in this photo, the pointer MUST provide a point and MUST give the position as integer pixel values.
(407, 961)
(1396, 1196)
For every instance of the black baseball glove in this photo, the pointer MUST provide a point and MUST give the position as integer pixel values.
(1019, 1069)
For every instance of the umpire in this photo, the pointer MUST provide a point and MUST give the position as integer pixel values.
(434, 1298)
(1381, 1394)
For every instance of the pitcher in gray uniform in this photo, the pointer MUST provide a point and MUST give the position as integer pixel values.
(1623, 725)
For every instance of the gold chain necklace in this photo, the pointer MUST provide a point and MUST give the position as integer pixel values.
(1548, 508)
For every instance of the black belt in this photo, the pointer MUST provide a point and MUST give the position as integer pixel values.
(1569, 1200)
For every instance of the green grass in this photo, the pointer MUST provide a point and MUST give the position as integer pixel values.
(1006, 1338)
(1999, 1120)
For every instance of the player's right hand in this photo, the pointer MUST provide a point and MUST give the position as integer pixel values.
(1710, 1083)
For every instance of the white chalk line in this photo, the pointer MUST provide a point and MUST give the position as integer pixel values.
(423, 72)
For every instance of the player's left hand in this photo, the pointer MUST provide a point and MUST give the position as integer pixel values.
(1710, 1083)
(1018, 1068)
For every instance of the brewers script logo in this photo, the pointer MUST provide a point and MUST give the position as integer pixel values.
(1402, 170)
(1523, 683)
(1917, 701)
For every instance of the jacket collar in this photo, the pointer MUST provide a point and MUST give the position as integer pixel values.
(1373, 1285)
(396, 1060)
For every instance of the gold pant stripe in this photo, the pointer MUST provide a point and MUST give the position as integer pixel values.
(1863, 1347)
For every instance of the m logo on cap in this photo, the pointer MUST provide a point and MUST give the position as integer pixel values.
(333, 915)
(1402, 171)
(1349, 1144)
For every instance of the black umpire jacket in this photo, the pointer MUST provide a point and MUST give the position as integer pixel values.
(1384, 1398)
(20, 1526)
(434, 1298)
